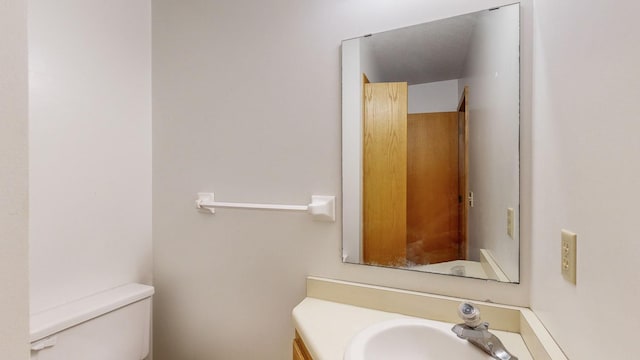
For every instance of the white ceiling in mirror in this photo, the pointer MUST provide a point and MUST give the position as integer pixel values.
(397, 58)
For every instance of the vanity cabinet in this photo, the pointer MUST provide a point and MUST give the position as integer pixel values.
(300, 351)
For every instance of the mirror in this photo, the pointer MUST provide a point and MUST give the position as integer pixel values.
(430, 120)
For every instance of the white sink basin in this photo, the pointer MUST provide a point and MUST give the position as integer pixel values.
(411, 339)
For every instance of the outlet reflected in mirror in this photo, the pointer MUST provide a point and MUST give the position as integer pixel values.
(431, 146)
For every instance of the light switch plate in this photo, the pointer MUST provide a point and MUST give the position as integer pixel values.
(510, 216)
(568, 248)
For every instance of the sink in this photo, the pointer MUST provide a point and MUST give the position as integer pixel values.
(411, 339)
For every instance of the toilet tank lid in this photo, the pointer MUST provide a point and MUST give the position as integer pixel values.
(51, 321)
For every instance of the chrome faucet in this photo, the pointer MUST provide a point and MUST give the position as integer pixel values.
(477, 332)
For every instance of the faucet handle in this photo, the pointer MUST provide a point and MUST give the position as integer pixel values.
(469, 314)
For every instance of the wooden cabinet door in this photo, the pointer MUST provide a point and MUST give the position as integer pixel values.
(297, 353)
(300, 351)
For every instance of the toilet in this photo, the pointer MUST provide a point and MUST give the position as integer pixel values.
(110, 325)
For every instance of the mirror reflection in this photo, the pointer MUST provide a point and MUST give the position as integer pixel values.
(431, 146)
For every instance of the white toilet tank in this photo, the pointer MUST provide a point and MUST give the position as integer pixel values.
(111, 325)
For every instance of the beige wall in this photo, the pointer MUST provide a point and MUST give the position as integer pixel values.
(586, 172)
(14, 297)
(246, 102)
(89, 147)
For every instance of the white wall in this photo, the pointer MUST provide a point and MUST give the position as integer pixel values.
(246, 102)
(90, 147)
(439, 96)
(586, 170)
(491, 72)
(367, 64)
(14, 295)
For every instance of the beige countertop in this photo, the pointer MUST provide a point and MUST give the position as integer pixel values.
(334, 311)
(326, 328)
(471, 268)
